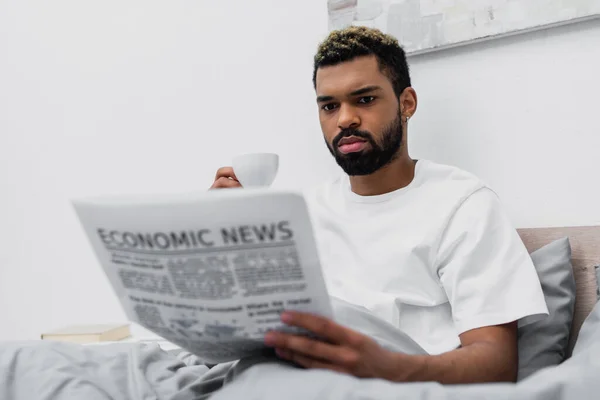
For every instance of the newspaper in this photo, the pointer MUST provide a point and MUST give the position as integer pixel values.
(210, 272)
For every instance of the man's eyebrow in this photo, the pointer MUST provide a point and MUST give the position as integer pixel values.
(365, 90)
(322, 99)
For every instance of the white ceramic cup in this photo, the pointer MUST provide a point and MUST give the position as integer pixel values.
(256, 169)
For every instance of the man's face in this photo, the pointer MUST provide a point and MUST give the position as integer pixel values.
(359, 114)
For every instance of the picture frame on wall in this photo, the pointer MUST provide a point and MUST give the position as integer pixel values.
(423, 26)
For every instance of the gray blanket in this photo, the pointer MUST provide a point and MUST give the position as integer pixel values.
(46, 370)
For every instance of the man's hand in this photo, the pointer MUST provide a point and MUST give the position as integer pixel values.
(225, 178)
(488, 354)
(342, 349)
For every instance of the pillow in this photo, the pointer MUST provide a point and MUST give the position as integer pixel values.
(589, 337)
(598, 281)
(544, 343)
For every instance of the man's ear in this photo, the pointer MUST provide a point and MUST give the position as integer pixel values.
(408, 102)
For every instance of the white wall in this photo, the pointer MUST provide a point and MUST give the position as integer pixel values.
(152, 96)
(522, 113)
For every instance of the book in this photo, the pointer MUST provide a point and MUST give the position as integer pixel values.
(89, 333)
(210, 272)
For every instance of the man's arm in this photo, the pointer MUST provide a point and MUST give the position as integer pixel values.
(486, 355)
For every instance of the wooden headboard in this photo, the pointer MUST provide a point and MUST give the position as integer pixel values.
(585, 255)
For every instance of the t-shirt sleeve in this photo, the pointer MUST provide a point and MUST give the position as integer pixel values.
(485, 269)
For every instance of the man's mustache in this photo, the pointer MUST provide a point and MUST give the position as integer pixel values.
(352, 132)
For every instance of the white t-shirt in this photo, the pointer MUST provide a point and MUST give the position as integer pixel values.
(436, 258)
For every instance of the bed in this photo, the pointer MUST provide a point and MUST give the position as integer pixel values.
(37, 370)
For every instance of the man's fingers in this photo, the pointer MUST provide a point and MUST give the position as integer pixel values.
(225, 172)
(312, 348)
(308, 362)
(324, 328)
(225, 179)
(301, 344)
(224, 183)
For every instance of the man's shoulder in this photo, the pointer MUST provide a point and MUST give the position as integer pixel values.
(469, 202)
(435, 172)
(445, 182)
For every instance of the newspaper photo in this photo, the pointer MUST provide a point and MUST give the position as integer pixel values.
(210, 272)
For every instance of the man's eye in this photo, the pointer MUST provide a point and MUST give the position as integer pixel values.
(328, 107)
(366, 99)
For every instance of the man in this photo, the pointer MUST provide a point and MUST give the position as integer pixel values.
(424, 246)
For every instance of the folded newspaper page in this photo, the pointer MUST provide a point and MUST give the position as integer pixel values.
(210, 272)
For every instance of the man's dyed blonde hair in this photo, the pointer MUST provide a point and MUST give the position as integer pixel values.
(357, 41)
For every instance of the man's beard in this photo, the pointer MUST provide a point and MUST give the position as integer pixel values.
(378, 156)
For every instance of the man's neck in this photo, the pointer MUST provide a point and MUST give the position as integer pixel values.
(396, 175)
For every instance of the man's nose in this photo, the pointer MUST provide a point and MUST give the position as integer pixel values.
(348, 117)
